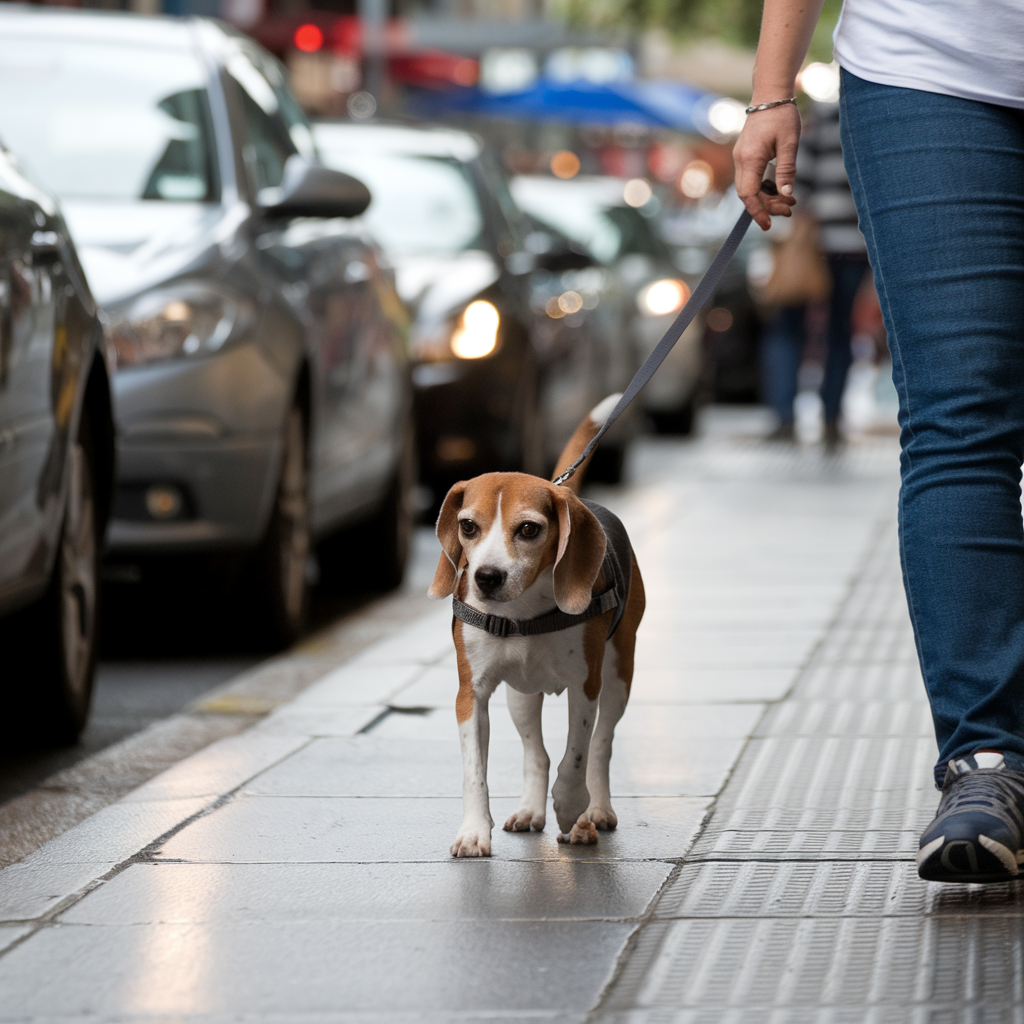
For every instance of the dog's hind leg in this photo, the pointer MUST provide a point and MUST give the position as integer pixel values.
(618, 678)
(614, 694)
(525, 709)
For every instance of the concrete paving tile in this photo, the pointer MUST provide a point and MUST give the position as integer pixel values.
(117, 832)
(485, 890)
(312, 966)
(700, 639)
(316, 1017)
(674, 685)
(370, 766)
(677, 655)
(218, 768)
(374, 766)
(357, 685)
(423, 642)
(321, 721)
(705, 686)
(10, 933)
(670, 720)
(336, 830)
(29, 890)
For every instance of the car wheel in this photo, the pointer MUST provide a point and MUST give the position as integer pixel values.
(280, 587)
(51, 645)
(530, 444)
(607, 464)
(677, 421)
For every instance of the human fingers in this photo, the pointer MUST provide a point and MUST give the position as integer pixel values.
(767, 135)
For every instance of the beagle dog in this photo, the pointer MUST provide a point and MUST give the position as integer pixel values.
(547, 597)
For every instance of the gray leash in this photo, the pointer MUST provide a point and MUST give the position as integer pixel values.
(696, 302)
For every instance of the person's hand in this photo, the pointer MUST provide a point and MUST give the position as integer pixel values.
(767, 135)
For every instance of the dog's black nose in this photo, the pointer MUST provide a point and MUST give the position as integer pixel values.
(489, 579)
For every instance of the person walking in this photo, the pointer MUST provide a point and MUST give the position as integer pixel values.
(822, 184)
(932, 124)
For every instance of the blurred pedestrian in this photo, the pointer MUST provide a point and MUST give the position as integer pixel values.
(822, 185)
(932, 115)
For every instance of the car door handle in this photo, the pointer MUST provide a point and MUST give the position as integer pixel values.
(45, 244)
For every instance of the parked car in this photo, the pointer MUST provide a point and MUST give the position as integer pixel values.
(56, 465)
(592, 211)
(495, 388)
(262, 392)
(734, 321)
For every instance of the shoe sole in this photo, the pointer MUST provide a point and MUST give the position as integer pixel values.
(984, 861)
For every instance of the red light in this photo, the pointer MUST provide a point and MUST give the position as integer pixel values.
(309, 38)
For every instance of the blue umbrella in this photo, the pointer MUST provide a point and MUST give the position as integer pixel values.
(650, 104)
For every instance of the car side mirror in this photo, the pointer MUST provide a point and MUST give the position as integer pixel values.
(312, 190)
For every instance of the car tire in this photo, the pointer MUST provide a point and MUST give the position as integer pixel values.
(531, 441)
(607, 464)
(278, 582)
(50, 647)
(677, 421)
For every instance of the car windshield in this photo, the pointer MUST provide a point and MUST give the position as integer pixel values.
(420, 206)
(94, 120)
(574, 213)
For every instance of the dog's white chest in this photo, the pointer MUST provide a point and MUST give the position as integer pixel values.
(530, 664)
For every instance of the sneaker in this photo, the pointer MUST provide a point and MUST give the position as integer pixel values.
(783, 432)
(978, 831)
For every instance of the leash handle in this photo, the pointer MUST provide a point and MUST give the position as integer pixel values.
(694, 304)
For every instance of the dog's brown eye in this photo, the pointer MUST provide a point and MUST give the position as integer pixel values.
(468, 527)
(529, 530)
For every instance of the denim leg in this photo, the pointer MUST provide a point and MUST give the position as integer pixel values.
(847, 275)
(939, 187)
(782, 348)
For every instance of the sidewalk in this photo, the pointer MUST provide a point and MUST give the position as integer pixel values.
(770, 776)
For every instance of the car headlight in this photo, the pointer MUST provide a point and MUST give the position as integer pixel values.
(476, 335)
(663, 297)
(471, 335)
(173, 323)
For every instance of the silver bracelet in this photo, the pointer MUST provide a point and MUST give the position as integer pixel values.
(769, 106)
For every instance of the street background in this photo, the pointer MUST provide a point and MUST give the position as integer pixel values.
(251, 821)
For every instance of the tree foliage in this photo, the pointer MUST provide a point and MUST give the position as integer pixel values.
(733, 21)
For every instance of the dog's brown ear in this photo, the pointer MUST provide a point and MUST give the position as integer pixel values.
(581, 548)
(451, 547)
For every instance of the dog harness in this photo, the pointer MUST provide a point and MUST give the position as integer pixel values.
(618, 569)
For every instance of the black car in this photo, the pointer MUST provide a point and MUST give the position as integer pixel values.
(56, 466)
(262, 393)
(500, 383)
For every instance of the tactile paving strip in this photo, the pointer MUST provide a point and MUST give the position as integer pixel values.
(800, 902)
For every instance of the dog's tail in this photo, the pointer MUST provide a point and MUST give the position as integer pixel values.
(585, 432)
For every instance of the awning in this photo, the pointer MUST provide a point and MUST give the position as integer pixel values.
(646, 104)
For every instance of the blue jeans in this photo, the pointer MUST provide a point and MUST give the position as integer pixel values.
(939, 187)
(782, 347)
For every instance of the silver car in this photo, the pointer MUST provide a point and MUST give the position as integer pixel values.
(593, 212)
(262, 392)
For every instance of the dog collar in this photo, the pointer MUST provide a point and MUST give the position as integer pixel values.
(549, 622)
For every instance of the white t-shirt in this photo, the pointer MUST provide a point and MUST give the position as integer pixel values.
(968, 48)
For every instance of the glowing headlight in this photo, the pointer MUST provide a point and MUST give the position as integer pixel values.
(477, 332)
(174, 323)
(663, 297)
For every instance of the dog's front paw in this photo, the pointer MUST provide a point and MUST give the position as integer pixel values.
(583, 834)
(570, 801)
(472, 841)
(524, 819)
(603, 818)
